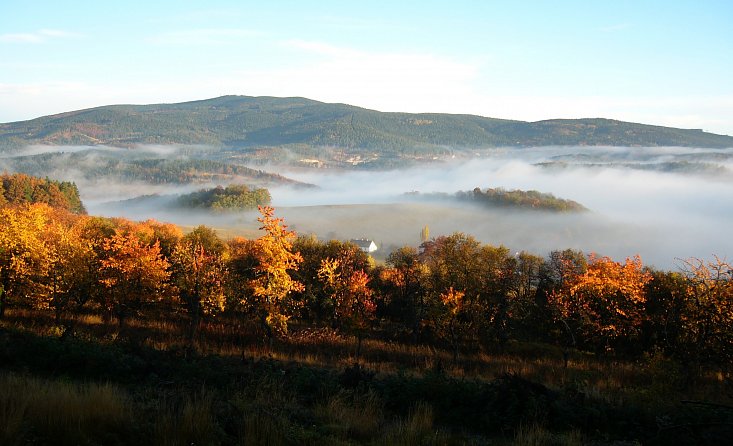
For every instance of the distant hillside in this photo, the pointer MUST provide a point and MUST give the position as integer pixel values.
(97, 165)
(240, 122)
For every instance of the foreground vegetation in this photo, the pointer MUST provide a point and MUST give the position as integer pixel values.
(120, 332)
(96, 388)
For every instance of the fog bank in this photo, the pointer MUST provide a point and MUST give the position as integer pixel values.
(639, 205)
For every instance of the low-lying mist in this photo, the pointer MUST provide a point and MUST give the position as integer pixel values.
(663, 216)
(662, 203)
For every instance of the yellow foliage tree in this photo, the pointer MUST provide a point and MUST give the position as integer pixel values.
(272, 285)
(24, 256)
(73, 261)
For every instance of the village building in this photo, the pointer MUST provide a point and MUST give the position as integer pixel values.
(365, 245)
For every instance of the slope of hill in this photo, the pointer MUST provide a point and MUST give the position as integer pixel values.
(245, 122)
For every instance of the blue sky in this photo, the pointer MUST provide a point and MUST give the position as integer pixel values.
(666, 63)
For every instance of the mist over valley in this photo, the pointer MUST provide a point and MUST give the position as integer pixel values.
(338, 171)
(637, 203)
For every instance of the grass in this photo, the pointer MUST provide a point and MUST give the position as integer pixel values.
(62, 412)
(189, 423)
(537, 435)
(352, 416)
(98, 388)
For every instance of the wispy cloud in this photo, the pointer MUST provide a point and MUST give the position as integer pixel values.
(205, 36)
(40, 36)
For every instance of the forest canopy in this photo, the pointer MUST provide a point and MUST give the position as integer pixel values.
(17, 189)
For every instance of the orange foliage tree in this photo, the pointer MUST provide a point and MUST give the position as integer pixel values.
(133, 273)
(605, 303)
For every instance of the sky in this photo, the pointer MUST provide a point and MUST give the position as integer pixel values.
(656, 62)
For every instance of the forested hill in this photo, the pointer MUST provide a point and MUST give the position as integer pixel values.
(242, 121)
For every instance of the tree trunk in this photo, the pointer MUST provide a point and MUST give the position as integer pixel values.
(358, 347)
(121, 315)
(57, 315)
(193, 328)
(2, 302)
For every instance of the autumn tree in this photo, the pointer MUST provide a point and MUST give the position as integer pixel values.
(73, 264)
(197, 265)
(133, 273)
(24, 256)
(3, 200)
(526, 307)
(453, 262)
(348, 288)
(424, 234)
(483, 273)
(167, 234)
(497, 293)
(558, 270)
(317, 305)
(706, 331)
(666, 303)
(404, 285)
(452, 319)
(272, 285)
(240, 266)
(606, 303)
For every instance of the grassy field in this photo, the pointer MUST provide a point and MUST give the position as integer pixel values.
(101, 387)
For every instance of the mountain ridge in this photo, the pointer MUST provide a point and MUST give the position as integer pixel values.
(235, 122)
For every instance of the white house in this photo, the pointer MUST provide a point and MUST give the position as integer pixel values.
(365, 245)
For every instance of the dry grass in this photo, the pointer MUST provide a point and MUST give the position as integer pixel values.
(416, 430)
(616, 382)
(261, 429)
(536, 435)
(190, 423)
(351, 416)
(63, 412)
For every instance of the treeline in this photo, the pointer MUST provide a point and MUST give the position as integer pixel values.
(453, 291)
(531, 199)
(159, 171)
(17, 189)
(232, 197)
(500, 197)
